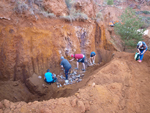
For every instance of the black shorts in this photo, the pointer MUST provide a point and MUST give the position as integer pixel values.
(54, 80)
(81, 60)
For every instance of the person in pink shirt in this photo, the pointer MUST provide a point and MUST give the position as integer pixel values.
(79, 58)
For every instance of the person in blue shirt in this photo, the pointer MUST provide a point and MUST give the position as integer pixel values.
(65, 63)
(142, 48)
(49, 78)
(92, 57)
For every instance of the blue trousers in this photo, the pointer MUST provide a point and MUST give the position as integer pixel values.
(141, 56)
(66, 72)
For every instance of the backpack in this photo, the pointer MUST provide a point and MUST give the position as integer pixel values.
(137, 56)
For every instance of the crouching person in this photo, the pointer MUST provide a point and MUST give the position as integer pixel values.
(49, 78)
(142, 48)
(92, 58)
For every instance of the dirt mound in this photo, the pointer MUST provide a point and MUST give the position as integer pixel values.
(120, 86)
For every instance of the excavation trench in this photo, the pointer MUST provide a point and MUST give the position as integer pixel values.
(34, 88)
(28, 88)
(26, 83)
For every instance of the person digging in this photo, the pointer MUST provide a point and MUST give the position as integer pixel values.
(92, 58)
(64, 63)
(79, 58)
(49, 78)
(142, 48)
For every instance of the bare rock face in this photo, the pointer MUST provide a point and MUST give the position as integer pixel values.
(55, 6)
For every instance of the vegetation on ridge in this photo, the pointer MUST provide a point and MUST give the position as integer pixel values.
(127, 28)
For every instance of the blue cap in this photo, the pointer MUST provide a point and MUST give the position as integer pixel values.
(48, 70)
(62, 57)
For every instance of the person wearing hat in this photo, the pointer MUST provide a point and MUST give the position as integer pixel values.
(142, 48)
(79, 58)
(64, 63)
(92, 57)
(49, 78)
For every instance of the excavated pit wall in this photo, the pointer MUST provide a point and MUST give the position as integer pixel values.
(28, 49)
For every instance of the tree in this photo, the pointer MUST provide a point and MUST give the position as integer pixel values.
(127, 28)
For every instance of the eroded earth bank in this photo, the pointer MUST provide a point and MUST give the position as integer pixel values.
(32, 40)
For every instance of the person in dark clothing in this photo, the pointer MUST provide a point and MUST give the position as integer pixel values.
(64, 63)
(49, 78)
(142, 48)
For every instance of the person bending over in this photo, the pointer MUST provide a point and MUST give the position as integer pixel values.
(92, 58)
(64, 63)
(142, 48)
(79, 58)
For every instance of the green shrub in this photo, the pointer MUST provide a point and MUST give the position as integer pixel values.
(80, 16)
(68, 3)
(21, 7)
(38, 2)
(128, 28)
(110, 2)
(46, 14)
(145, 20)
(68, 18)
(99, 15)
(146, 12)
(75, 15)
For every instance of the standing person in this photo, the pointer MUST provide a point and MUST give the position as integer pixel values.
(49, 78)
(64, 63)
(79, 58)
(92, 57)
(142, 48)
